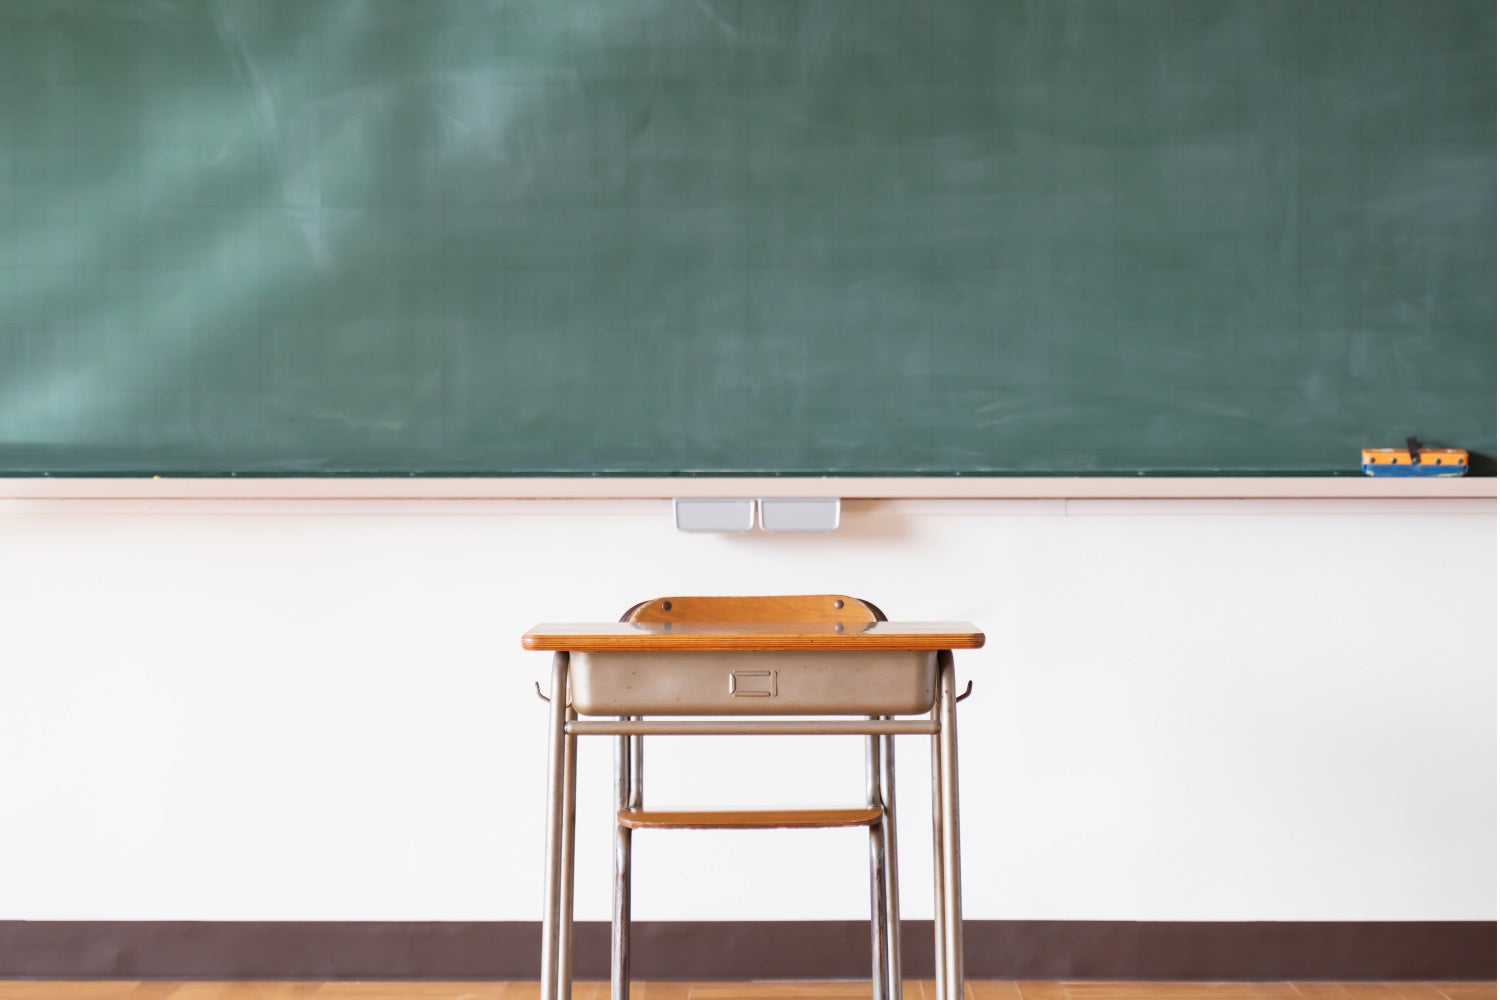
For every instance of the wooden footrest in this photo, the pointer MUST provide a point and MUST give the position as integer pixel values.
(748, 819)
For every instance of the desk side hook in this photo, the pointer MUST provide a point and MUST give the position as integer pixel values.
(538, 686)
(968, 690)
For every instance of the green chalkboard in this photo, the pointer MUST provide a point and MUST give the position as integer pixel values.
(518, 237)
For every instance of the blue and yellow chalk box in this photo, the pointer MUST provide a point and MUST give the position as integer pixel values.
(1415, 461)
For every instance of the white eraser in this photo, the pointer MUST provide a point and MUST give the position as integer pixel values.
(799, 514)
(713, 514)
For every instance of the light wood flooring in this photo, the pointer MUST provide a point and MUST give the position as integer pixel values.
(976, 990)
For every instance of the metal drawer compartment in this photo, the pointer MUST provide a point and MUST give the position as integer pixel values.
(878, 682)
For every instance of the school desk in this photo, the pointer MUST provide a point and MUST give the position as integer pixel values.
(593, 661)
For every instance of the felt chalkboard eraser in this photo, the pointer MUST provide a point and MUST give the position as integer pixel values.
(1414, 460)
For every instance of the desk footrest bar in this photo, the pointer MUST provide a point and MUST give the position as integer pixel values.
(748, 819)
(788, 727)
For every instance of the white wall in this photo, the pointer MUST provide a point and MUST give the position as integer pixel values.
(1211, 710)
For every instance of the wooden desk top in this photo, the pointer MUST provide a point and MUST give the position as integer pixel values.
(663, 637)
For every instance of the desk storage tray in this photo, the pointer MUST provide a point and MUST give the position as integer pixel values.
(878, 682)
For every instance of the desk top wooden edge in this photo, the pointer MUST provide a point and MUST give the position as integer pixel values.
(660, 637)
(659, 488)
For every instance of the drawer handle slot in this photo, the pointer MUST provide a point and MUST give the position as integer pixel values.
(752, 683)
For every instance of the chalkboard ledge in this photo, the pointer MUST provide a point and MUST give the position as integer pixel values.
(643, 488)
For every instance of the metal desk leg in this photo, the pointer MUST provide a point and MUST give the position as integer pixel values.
(888, 831)
(552, 890)
(565, 897)
(627, 796)
(939, 886)
(952, 953)
(880, 938)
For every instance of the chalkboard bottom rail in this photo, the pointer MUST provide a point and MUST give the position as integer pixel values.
(665, 488)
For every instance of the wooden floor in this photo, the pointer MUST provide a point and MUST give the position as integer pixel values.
(981, 990)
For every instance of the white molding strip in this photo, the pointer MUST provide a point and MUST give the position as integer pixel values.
(626, 488)
(856, 512)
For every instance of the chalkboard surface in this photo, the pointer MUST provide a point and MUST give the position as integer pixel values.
(515, 237)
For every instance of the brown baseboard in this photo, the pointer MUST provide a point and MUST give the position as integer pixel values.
(994, 949)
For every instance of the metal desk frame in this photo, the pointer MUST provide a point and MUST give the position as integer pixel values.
(562, 764)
